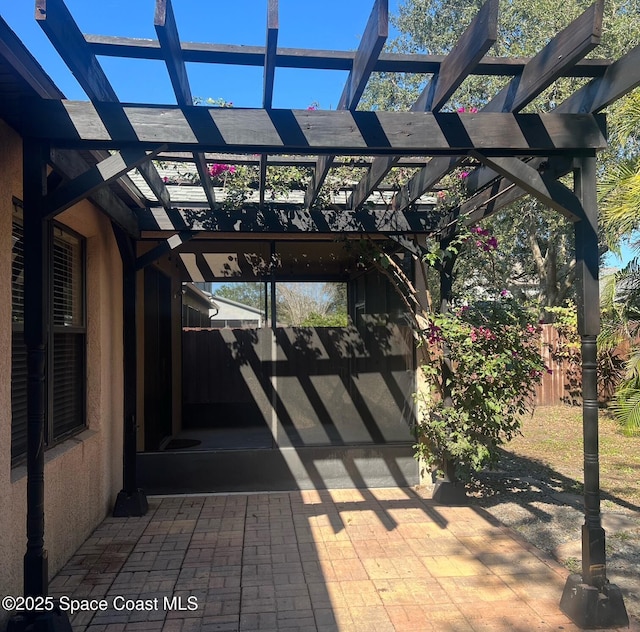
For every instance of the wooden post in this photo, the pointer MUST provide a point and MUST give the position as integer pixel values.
(131, 500)
(589, 599)
(36, 295)
(36, 325)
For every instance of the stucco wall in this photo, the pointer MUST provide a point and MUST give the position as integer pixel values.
(84, 473)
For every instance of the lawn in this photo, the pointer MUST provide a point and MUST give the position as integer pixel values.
(538, 486)
(552, 437)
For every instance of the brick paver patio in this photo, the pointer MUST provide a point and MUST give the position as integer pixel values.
(331, 560)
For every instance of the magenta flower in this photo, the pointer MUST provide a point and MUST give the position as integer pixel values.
(463, 175)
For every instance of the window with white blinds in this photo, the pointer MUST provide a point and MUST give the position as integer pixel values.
(66, 346)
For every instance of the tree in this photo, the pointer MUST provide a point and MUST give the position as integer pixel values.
(537, 244)
(312, 304)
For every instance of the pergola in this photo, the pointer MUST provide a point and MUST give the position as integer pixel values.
(92, 146)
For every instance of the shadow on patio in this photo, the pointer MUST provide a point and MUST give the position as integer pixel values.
(382, 559)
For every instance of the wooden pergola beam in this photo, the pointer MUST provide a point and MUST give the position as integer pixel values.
(268, 81)
(167, 246)
(565, 49)
(549, 191)
(620, 78)
(85, 184)
(284, 221)
(315, 59)
(71, 165)
(476, 40)
(285, 160)
(58, 24)
(77, 124)
(375, 35)
(167, 31)
(562, 52)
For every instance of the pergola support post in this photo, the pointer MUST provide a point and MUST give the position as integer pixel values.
(448, 490)
(131, 500)
(589, 599)
(36, 250)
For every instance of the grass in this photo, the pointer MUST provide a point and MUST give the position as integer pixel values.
(552, 437)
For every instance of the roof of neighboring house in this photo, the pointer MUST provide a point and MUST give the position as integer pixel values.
(200, 296)
(222, 301)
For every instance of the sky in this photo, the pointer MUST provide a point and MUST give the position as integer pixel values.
(329, 24)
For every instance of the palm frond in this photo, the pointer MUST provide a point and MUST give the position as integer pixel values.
(627, 411)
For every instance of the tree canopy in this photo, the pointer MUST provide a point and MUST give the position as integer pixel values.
(537, 244)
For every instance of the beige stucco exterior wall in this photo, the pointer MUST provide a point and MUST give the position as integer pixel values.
(84, 473)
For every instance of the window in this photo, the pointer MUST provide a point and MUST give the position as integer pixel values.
(66, 346)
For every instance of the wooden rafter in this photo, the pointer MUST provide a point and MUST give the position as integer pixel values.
(621, 77)
(77, 124)
(375, 35)
(283, 221)
(167, 31)
(476, 40)
(562, 52)
(167, 246)
(56, 21)
(548, 190)
(71, 165)
(239, 55)
(268, 79)
(87, 183)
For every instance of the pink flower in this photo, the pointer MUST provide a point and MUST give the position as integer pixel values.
(165, 179)
(473, 110)
(216, 169)
(463, 175)
(441, 195)
(461, 110)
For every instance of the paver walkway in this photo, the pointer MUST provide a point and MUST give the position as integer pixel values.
(358, 560)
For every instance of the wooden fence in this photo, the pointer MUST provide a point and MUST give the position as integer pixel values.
(563, 384)
(556, 387)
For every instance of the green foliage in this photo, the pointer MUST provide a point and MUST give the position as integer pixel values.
(492, 349)
(626, 407)
(620, 183)
(326, 320)
(537, 244)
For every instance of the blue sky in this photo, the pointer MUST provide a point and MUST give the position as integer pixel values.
(330, 24)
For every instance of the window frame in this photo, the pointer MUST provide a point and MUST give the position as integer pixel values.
(52, 436)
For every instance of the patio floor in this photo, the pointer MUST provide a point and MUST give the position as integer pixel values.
(380, 560)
